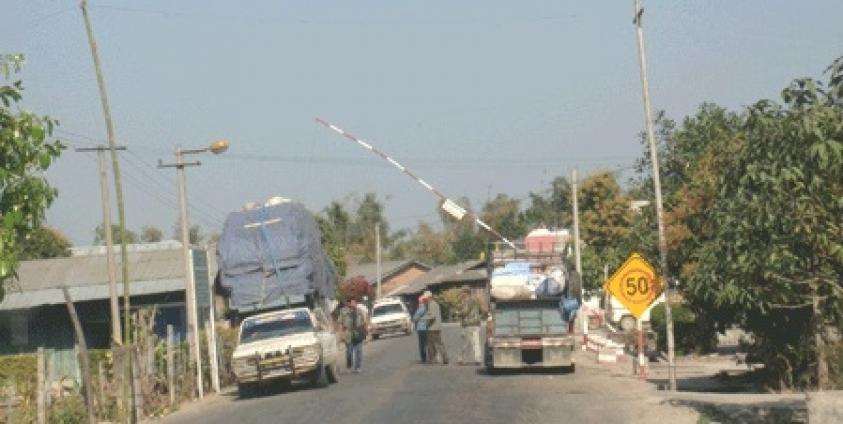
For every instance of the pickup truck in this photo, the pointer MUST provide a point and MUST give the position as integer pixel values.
(530, 329)
(389, 316)
(283, 346)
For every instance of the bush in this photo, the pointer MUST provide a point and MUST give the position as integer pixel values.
(692, 332)
(68, 410)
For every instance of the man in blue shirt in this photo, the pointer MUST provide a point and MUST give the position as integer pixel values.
(421, 327)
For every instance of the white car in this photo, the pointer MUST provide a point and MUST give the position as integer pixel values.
(390, 316)
(285, 345)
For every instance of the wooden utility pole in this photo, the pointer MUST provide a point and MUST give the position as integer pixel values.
(116, 336)
(171, 365)
(654, 161)
(41, 388)
(378, 257)
(83, 355)
(118, 191)
(577, 258)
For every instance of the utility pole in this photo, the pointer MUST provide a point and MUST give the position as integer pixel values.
(189, 289)
(654, 159)
(577, 259)
(378, 256)
(189, 280)
(121, 212)
(116, 336)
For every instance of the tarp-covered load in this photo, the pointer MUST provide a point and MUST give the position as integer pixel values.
(271, 256)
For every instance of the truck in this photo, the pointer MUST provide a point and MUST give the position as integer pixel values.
(390, 316)
(281, 287)
(533, 299)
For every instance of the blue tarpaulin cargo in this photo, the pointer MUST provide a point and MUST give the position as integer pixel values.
(271, 256)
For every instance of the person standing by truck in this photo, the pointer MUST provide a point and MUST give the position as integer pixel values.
(354, 325)
(470, 316)
(434, 329)
(421, 327)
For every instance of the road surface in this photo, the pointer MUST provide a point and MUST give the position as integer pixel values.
(395, 388)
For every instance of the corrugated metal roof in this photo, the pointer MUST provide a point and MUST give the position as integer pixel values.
(388, 269)
(39, 282)
(446, 273)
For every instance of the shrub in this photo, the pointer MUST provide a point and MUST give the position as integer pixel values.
(692, 332)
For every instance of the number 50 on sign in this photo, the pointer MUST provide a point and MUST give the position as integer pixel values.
(635, 284)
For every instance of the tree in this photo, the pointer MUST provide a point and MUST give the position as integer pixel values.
(339, 219)
(362, 233)
(194, 233)
(774, 260)
(26, 151)
(605, 221)
(334, 247)
(552, 210)
(151, 234)
(44, 243)
(355, 288)
(503, 214)
(130, 236)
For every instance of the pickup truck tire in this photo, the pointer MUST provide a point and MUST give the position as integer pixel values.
(319, 378)
(333, 373)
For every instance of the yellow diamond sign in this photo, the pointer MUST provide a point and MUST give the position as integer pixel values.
(635, 284)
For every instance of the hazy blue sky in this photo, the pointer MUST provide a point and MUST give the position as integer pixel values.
(477, 96)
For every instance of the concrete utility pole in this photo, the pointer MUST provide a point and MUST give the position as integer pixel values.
(654, 159)
(189, 280)
(378, 256)
(121, 212)
(116, 336)
(577, 258)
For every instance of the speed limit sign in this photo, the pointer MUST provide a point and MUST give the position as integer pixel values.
(635, 284)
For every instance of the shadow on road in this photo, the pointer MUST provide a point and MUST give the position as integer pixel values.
(270, 389)
(499, 372)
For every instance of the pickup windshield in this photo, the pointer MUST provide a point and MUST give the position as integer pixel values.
(387, 309)
(275, 326)
(525, 319)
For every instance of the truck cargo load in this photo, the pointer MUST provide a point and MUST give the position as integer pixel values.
(272, 256)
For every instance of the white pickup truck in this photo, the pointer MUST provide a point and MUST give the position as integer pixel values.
(286, 345)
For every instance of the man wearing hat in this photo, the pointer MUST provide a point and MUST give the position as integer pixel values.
(470, 316)
(434, 329)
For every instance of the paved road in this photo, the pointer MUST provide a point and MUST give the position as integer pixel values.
(394, 388)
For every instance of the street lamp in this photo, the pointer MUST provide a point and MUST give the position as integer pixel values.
(216, 147)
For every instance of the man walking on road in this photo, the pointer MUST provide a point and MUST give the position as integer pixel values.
(470, 317)
(353, 322)
(434, 329)
(421, 327)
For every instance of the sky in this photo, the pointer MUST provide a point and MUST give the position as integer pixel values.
(478, 97)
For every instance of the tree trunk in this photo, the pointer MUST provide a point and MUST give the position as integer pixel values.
(818, 328)
(83, 355)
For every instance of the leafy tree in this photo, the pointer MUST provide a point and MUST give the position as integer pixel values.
(194, 233)
(430, 246)
(339, 218)
(44, 243)
(99, 235)
(333, 246)
(362, 233)
(605, 221)
(774, 261)
(26, 152)
(151, 234)
(503, 214)
(553, 209)
(355, 288)
(463, 235)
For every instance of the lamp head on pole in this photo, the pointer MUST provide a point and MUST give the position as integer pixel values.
(218, 146)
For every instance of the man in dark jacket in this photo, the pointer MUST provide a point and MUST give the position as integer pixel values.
(354, 325)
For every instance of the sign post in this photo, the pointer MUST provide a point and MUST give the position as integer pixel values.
(636, 285)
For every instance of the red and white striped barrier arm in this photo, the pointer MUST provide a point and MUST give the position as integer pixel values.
(448, 205)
